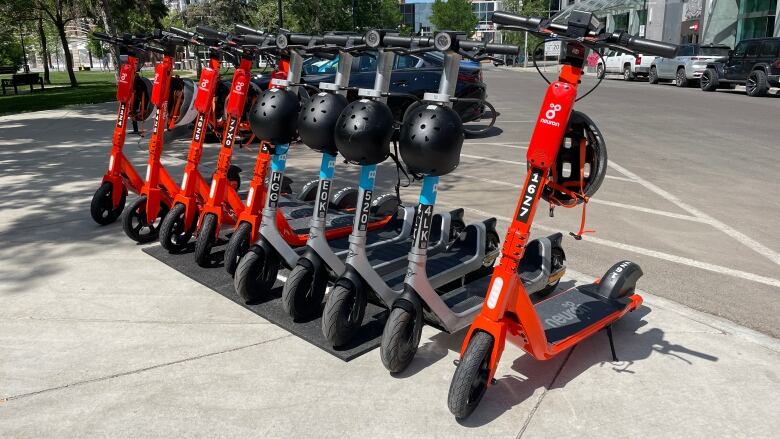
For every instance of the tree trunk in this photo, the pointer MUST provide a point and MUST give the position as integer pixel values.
(108, 24)
(60, 24)
(45, 56)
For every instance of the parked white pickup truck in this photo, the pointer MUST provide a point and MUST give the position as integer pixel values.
(625, 64)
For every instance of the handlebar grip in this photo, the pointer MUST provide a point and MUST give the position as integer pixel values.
(242, 29)
(491, 48)
(181, 33)
(154, 49)
(207, 31)
(102, 36)
(651, 47)
(507, 19)
(250, 39)
(338, 40)
(304, 39)
(398, 41)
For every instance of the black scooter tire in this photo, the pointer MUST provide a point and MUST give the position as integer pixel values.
(303, 292)
(400, 339)
(174, 235)
(205, 241)
(101, 209)
(134, 222)
(343, 314)
(469, 383)
(237, 247)
(255, 274)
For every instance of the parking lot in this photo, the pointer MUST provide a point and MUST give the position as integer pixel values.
(99, 339)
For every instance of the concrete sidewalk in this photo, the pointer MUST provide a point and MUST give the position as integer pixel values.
(97, 339)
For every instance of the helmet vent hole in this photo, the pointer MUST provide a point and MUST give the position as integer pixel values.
(364, 108)
(433, 116)
(566, 170)
(311, 110)
(273, 106)
(355, 127)
(426, 138)
(323, 111)
(313, 119)
(322, 101)
(365, 118)
(353, 116)
(264, 114)
(414, 135)
(422, 127)
(436, 128)
(262, 104)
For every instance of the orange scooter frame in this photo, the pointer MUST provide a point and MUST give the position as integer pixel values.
(180, 222)
(121, 174)
(158, 190)
(508, 313)
(223, 204)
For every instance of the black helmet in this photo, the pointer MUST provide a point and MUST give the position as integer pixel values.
(431, 138)
(571, 177)
(317, 121)
(363, 132)
(275, 116)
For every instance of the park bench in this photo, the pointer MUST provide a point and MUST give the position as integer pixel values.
(22, 79)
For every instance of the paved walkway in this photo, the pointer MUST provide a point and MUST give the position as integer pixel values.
(97, 339)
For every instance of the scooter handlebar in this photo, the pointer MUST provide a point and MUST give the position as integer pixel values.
(182, 33)
(242, 29)
(644, 45)
(210, 32)
(507, 19)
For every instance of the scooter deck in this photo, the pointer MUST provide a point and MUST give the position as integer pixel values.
(573, 310)
(298, 214)
(389, 231)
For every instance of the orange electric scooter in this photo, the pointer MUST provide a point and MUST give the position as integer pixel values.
(133, 95)
(223, 204)
(180, 222)
(141, 220)
(548, 327)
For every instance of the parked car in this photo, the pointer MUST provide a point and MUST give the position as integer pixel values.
(754, 63)
(689, 64)
(626, 64)
(412, 74)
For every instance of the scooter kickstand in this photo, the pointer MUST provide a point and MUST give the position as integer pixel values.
(611, 343)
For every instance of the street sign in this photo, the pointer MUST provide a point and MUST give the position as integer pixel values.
(552, 48)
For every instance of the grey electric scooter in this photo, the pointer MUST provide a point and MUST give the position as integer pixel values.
(256, 271)
(321, 260)
(363, 278)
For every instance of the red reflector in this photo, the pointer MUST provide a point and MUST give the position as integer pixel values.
(638, 60)
(776, 64)
(468, 77)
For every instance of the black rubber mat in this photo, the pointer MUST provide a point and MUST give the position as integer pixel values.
(218, 280)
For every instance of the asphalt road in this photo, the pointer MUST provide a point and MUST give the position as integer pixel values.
(690, 195)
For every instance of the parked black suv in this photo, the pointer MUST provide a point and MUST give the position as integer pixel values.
(754, 63)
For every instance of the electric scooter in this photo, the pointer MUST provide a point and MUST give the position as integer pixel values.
(427, 286)
(275, 119)
(551, 326)
(133, 95)
(141, 220)
(223, 204)
(320, 260)
(180, 222)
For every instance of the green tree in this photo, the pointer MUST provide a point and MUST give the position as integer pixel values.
(376, 14)
(528, 8)
(454, 15)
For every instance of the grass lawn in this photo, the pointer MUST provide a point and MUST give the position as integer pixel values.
(94, 87)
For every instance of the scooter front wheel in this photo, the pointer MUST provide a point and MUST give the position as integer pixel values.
(256, 274)
(205, 241)
(343, 314)
(102, 207)
(174, 234)
(471, 377)
(400, 339)
(303, 292)
(136, 226)
(237, 247)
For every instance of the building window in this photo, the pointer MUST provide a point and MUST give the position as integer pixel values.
(756, 19)
(407, 15)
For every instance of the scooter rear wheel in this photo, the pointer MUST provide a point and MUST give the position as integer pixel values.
(135, 225)
(205, 241)
(174, 235)
(256, 274)
(237, 247)
(471, 377)
(102, 207)
(343, 314)
(400, 339)
(303, 292)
